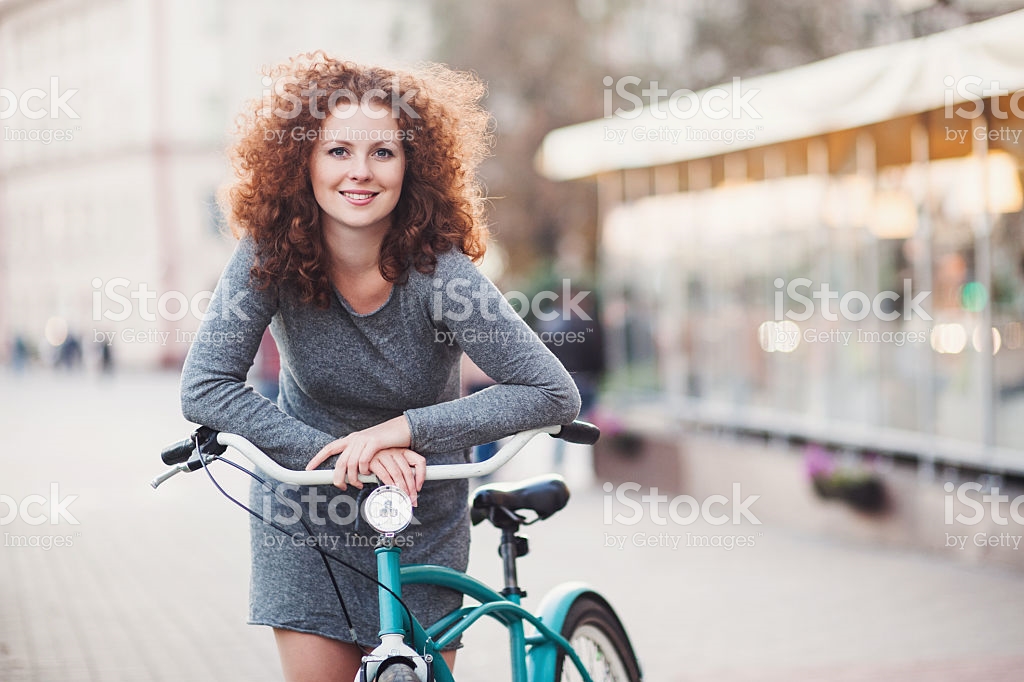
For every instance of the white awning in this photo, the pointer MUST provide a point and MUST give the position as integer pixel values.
(847, 91)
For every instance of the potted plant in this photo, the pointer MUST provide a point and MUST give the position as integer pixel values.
(857, 486)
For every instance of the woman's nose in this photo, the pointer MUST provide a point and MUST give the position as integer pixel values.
(360, 168)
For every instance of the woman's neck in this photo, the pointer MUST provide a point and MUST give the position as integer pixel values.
(353, 252)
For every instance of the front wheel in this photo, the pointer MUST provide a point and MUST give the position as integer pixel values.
(398, 672)
(597, 636)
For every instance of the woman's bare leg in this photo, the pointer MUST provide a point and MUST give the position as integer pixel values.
(449, 658)
(312, 658)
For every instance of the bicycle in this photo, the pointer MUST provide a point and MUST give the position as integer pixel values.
(576, 633)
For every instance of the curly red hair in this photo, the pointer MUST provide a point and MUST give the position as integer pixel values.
(445, 133)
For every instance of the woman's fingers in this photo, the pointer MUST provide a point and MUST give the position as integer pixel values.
(407, 476)
(409, 471)
(368, 451)
(405, 469)
(326, 452)
(380, 469)
(352, 464)
(412, 486)
(418, 467)
(346, 471)
(338, 478)
(393, 470)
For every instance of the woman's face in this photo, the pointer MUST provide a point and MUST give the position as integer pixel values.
(357, 167)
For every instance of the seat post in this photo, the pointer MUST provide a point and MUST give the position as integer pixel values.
(512, 547)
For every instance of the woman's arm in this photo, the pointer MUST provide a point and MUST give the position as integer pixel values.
(213, 388)
(532, 389)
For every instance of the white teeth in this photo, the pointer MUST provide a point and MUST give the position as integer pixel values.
(359, 196)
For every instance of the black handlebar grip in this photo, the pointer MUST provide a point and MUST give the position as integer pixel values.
(579, 432)
(178, 452)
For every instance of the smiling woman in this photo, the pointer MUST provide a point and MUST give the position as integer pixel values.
(432, 115)
(359, 213)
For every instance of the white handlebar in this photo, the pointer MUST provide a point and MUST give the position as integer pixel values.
(433, 472)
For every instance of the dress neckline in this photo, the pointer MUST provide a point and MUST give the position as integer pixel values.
(352, 311)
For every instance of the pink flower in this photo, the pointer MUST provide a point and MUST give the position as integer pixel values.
(818, 461)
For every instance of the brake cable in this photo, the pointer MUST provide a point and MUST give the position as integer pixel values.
(324, 555)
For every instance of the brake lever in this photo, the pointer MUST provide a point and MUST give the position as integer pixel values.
(192, 464)
(176, 469)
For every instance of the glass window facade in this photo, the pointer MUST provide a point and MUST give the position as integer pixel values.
(884, 303)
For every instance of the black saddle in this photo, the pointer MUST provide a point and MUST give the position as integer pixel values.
(499, 502)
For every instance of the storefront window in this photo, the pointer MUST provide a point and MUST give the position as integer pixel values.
(701, 290)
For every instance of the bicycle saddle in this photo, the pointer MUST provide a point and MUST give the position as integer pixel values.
(498, 502)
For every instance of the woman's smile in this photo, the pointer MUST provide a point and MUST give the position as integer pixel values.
(359, 197)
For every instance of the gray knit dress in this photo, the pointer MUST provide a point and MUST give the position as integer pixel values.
(342, 371)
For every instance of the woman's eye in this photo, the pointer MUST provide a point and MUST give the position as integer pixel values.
(338, 151)
(384, 153)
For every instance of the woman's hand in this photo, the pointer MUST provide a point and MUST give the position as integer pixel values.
(359, 451)
(399, 467)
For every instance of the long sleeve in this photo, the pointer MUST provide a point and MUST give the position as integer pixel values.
(532, 389)
(213, 388)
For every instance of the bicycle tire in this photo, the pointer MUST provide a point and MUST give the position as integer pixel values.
(597, 636)
(398, 672)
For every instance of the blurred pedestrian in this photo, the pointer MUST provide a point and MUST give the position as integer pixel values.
(106, 357)
(19, 353)
(578, 342)
(69, 353)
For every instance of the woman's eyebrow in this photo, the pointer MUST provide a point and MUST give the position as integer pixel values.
(333, 137)
(329, 137)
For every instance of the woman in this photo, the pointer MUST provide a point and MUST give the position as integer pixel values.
(359, 219)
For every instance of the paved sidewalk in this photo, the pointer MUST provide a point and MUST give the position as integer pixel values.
(154, 584)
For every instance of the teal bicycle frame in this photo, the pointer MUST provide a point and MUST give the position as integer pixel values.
(533, 657)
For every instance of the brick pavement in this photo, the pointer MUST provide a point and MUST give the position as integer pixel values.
(154, 586)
